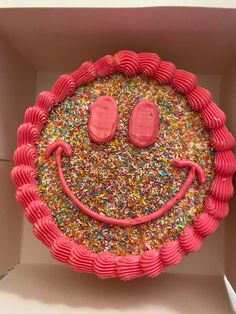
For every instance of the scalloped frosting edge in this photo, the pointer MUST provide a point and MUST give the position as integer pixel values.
(106, 264)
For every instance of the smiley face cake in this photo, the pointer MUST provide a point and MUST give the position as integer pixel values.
(125, 166)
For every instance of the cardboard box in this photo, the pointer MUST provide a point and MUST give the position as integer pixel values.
(36, 45)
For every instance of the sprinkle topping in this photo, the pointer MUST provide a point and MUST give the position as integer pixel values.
(118, 179)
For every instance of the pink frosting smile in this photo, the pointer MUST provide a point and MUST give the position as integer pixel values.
(195, 170)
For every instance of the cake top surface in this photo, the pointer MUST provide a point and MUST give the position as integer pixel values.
(125, 166)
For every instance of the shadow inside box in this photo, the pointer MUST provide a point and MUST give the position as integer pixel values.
(170, 293)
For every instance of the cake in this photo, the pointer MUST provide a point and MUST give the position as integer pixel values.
(125, 166)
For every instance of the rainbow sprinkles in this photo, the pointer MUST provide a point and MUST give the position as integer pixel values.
(112, 208)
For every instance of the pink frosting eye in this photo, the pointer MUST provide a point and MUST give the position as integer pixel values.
(144, 124)
(103, 119)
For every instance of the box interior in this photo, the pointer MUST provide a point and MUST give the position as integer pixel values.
(117, 3)
(36, 46)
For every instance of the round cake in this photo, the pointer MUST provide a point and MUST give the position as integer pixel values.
(125, 166)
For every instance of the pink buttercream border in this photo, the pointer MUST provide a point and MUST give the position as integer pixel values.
(105, 264)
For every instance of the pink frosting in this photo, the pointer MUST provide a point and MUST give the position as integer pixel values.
(222, 188)
(190, 240)
(225, 163)
(23, 174)
(64, 86)
(61, 249)
(107, 265)
(213, 116)
(55, 145)
(81, 259)
(36, 116)
(205, 224)
(85, 74)
(128, 267)
(46, 100)
(26, 194)
(46, 231)
(165, 73)
(25, 155)
(172, 253)
(151, 263)
(148, 63)
(216, 208)
(105, 66)
(104, 265)
(127, 62)
(103, 119)
(222, 139)
(200, 174)
(37, 210)
(27, 134)
(195, 170)
(184, 81)
(198, 98)
(143, 132)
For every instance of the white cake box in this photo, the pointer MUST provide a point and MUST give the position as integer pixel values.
(36, 46)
